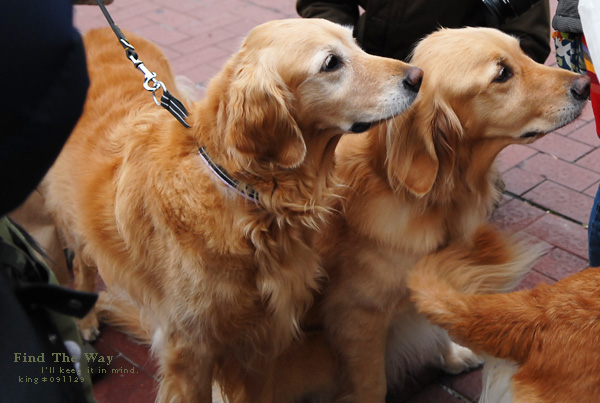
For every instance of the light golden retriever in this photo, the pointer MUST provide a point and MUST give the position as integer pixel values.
(218, 274)
(542, 343)
(422, 182)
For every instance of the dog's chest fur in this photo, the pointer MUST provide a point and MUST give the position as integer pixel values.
(389, 233)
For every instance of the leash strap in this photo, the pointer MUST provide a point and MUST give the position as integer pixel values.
(167, 100)
(175, 107)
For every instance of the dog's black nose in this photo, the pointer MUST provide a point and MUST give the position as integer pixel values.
(413, 79)
(581, 88)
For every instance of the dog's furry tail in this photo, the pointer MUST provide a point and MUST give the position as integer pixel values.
(445, 287)
(123, 314)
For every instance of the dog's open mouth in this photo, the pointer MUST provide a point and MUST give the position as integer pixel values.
(529, 135)
(569, 115)
(360, 127)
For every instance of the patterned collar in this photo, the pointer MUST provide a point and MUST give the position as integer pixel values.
(245, 191)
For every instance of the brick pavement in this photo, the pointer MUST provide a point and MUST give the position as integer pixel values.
(550, 185)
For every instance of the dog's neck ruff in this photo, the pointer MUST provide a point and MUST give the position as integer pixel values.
(245, 191)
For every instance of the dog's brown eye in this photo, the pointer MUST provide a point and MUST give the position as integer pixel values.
(504, 74)
(331, 63)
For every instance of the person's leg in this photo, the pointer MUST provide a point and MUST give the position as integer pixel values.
(594, 223)
(594, 232)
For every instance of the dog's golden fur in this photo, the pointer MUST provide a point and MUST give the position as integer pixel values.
(422, 182)
(543, 342)
(216, 278)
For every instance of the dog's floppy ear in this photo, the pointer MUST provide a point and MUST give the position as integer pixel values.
(259, 120)
(423, 147)
(447, 131)
(411, 160)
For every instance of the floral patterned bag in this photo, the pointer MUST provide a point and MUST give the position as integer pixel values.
(569, 51)
(572, 53)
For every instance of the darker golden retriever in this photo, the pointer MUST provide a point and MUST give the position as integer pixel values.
(219, 273)
(542, 344)
(422, 182)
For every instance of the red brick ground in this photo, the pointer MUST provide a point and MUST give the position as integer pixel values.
(550, 184)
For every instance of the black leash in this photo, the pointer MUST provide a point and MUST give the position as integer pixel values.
(177, 109)
(167, 100)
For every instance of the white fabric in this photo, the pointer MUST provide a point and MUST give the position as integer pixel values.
(589, 12)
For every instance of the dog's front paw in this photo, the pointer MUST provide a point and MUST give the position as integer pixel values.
(88, 326)
(457, 359)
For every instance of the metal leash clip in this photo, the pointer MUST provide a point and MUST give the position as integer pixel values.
(167, 100)
(150, 82)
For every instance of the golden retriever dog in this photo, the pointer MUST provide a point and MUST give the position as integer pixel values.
(542, 343)
(424, 181)
(221, 272)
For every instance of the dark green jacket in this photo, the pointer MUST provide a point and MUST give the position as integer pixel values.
(391, 28)
(31, 325)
